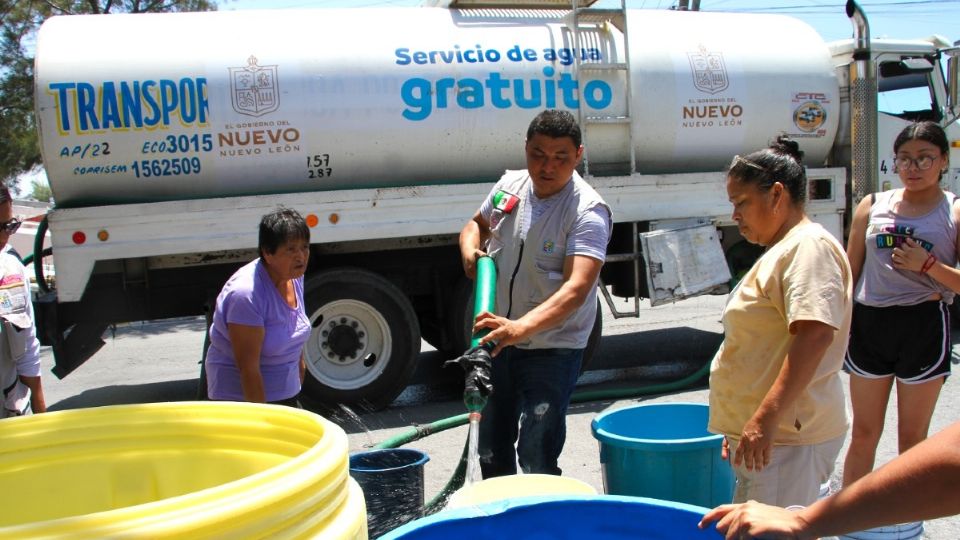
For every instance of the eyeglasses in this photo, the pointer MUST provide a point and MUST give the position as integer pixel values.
(747, 162)
(11, 226)
(923, 162)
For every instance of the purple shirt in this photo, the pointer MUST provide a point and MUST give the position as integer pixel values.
(250, 298)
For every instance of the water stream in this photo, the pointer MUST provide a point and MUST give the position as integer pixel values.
(346, 416)
(473, 455)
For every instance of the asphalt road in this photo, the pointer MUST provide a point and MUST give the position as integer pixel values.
(159, 362)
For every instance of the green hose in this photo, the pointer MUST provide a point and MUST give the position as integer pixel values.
(623, 393)
(485, 293)
(456, 480)
(38, 260)
(419, 432)
(28, 260)
(485, 300)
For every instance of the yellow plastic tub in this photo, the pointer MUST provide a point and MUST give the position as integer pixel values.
(517, 485)
(178, 470)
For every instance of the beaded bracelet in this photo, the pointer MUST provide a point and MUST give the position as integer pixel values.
(928, 264)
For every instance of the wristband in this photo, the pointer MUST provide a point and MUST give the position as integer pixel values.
(928, 264)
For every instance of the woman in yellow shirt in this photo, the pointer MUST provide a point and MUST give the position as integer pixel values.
(775, 392)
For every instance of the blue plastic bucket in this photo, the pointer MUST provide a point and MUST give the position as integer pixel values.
(392, 484)
(594, 517)
(663, 451)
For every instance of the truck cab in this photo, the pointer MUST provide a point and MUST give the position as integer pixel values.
(914, 83)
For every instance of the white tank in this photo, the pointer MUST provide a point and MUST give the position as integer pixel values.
(193, 105)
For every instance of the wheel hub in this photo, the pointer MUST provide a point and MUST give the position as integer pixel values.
(342, 340)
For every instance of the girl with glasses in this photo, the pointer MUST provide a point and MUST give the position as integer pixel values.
(903, 252)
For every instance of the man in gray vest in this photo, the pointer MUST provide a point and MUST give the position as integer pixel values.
(547, 230)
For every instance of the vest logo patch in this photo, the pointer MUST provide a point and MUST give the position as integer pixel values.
(12, 302)
(548, 246)
(505, 202)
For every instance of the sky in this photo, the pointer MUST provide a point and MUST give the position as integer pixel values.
(888, 18)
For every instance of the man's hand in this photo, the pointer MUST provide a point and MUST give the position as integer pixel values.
(755, 520)
(503, 331)
(472, 237)
(469, 261)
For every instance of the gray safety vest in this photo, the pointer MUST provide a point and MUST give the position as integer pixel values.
(530, 269)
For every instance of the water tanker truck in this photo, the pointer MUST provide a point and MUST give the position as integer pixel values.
(166, 137)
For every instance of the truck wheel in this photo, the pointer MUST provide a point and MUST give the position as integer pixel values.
(365, 339)
(460, 319)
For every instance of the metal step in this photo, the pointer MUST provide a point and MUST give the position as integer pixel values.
(509, 4)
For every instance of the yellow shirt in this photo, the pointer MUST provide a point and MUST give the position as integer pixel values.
(803, 277)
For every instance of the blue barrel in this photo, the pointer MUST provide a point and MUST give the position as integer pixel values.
(663, 451)
(392, 484)
(593, 517)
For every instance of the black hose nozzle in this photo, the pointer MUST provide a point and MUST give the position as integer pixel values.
(476, 363)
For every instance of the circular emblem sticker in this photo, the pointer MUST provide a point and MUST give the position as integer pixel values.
(809, 116)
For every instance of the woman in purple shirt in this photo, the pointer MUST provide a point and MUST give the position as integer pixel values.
(260, 324)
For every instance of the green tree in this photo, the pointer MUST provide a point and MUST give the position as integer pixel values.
(19, 21)
(41, 191)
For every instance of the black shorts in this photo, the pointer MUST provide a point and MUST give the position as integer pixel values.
(911, 342)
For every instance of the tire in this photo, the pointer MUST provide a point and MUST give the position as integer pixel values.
(460, 318)
(593, 342)
(202, 381)
(365, 339)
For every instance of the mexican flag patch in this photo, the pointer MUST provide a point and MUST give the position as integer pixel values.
(505, 202)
